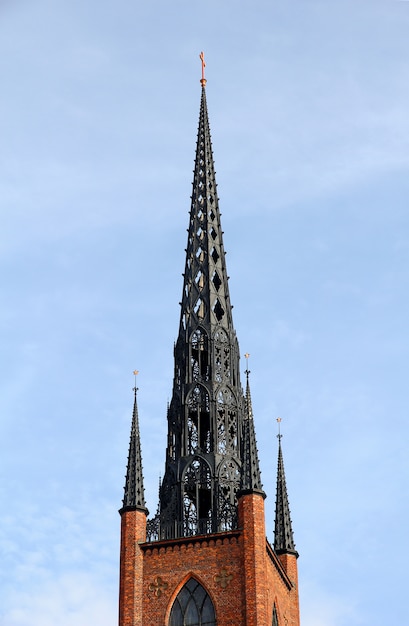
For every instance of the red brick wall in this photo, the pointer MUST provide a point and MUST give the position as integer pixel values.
(239, 570)
(133, 532)
(288, 603)
(251, 519)
(210, 560)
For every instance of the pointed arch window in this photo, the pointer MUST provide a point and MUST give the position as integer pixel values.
(192, 606)
(275, 618)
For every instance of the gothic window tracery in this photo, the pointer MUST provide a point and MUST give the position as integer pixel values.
(198, 421)
(222, 356)
(169, 507)
(197, 498)
(229, 483)
(192, 606)
(226, 421)
(199, 355)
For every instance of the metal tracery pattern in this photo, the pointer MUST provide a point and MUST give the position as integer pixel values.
(205, 291)
(229, 484)
(198, 421)
(221, 356)
(207, 409)
(199, 355)
(197, 499)
(227, 435)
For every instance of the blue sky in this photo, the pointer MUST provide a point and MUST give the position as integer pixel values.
(308, 103)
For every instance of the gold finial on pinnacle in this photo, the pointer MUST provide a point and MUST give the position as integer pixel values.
(247, 356)
(279, 430)
(203, 81)
(135, 373)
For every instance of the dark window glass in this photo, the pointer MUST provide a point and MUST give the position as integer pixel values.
(192, 607)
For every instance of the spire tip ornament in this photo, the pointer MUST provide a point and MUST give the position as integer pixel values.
(247, 372)
(135, 373)
(203, 81)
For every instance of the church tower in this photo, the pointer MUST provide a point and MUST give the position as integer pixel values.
(203, 559)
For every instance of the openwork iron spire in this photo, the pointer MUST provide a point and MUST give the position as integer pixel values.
(134, 496)
(205, 298)
(283, 534)
(250, 473)
(207, 411)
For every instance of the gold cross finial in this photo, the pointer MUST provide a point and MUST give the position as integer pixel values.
(203, 80)
(247, 356)
(279, 422)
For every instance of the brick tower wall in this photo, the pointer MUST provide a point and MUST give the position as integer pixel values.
(288, 602)
(252, 521)
(133, 533)
(214, 561)
(239, 570)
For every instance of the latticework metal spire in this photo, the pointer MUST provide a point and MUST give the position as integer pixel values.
(250, 471)
(134, 496)
(205, 298)
(205, 416)
(283, 534)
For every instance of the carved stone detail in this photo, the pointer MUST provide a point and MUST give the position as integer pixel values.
(158, 586)
(223, 579)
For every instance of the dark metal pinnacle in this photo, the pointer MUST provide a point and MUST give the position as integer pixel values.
(134, 496)
(283, 534)
(250, 475)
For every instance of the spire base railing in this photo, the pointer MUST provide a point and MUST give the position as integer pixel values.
(157, 531)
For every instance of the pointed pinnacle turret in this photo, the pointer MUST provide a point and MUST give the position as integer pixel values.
(134, 496)
(283, 533)
(203, 81)
(250, 471)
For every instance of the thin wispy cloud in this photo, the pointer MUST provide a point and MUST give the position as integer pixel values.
(308, 110)
(70, 598)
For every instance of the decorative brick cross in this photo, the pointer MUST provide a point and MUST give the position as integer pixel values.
(158, 586)
(223, 578)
